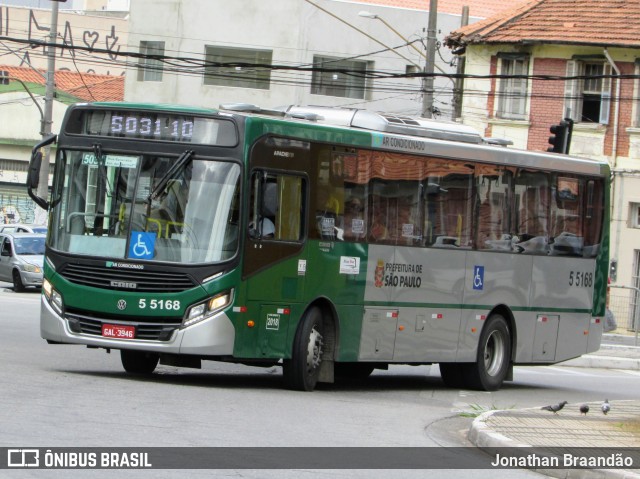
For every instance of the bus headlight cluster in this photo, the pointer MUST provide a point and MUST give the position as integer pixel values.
(206, 309)
(54, 298)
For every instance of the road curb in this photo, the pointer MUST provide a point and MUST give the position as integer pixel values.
(483, 436)
(605, 362)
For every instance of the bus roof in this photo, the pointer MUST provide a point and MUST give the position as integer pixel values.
(396, 132)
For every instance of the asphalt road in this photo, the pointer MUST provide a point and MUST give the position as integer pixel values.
(71, 396)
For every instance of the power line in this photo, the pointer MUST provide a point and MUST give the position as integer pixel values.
(181, 62)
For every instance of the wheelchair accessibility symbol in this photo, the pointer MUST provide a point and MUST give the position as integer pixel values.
(478, 277)
(142, 245)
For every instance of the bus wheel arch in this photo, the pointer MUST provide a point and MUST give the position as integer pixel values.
(313, 348)
(494, 359)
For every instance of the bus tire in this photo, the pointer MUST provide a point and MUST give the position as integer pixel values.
(138, 362)
(302, 370)
(494, 353)
(453, 374)
(353, 370)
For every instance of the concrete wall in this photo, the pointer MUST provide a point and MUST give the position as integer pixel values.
(294, 30)
(90, 31)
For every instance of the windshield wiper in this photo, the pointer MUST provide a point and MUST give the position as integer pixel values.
(102, 169)
(180, 163)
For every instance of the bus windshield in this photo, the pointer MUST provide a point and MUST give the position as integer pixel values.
(145, 207)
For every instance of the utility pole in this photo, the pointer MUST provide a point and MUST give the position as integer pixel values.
(459, 87)
(427, 83)
(47, 118)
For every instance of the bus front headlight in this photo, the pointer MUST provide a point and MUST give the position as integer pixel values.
(54, 298)
(206, 309)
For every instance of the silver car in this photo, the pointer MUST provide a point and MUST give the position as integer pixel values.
(21, 259)
(22, 228)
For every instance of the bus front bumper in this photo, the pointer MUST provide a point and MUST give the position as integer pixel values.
(211, 337)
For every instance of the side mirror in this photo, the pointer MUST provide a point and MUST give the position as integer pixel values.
(33, 174)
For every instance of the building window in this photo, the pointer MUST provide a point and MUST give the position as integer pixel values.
(342, 78)
(512, 92)
(636, 91)
(237, 67)
(588, 99)
(634, 215)
(150, 69)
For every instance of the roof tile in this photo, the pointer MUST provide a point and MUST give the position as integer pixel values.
(477, 8)
(84, 86)
(584, 22)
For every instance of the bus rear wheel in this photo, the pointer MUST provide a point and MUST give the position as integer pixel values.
(301, 372)
(494, 353)
(453, 374)
(139, 362)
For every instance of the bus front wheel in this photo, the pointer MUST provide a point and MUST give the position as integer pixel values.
(302, 370)
(494, 352)
(138, 362)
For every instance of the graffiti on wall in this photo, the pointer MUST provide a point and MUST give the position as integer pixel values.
(16, 208)
(71, 36)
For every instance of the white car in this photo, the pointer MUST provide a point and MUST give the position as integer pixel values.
(21, 259)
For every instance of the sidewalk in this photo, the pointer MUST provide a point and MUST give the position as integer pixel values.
(535, 427)
(609, 356)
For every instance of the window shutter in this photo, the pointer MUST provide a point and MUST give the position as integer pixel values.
(520, 89)
(605, 104)
(572, 93)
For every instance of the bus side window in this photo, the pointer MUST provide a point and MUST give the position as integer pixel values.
(593, 217)
(269, 209)
(276, 207)
(532, 201)
(567, 217)
(493, 197)
(451, 215)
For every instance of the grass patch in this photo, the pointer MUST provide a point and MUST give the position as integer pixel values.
(477, 410)
(631, 426)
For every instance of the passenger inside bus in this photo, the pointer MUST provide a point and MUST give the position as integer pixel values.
(354, 223)
(378, 232)
(532, 227)
(266, 227)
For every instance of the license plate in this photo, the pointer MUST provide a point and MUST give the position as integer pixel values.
(118, 331)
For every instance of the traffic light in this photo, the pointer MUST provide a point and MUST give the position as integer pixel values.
(561, 136)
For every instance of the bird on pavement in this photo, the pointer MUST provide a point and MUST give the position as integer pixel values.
(554, 408)
(584, 409)
(606, 407)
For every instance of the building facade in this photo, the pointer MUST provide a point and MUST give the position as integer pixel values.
(324, 52)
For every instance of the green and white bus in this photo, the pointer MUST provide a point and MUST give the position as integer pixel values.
(328, 241)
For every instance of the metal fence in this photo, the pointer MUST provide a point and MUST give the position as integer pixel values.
(624, 303)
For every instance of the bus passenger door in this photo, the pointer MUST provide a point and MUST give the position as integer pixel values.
(274, 265)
